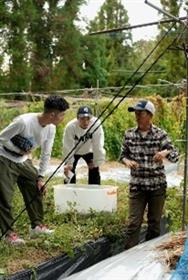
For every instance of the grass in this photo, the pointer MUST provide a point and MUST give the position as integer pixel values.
(72, 229)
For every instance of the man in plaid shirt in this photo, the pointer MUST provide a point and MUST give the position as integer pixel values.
(143, 151)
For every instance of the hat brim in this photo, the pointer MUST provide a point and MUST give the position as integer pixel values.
(84, 115)
(133, 109)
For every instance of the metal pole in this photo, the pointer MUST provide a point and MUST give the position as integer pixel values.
(184, 216)
(161, 10)
(135, 26)
(97, 98)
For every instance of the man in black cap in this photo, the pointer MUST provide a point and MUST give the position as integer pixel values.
(90, 147)
(143, 151)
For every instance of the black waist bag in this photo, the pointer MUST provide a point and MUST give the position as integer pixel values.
(22, 143)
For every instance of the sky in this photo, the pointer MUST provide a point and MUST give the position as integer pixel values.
(138, 13)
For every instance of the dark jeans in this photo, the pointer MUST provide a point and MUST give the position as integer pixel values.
(25, 175)
(138, 200)
(93, 174)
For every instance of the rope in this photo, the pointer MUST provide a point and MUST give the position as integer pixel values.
(100, 90)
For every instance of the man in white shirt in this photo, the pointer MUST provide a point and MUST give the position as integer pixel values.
(90, 147)
(25, 133)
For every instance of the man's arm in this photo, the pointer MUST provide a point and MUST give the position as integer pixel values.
(160, 156)
(68, 144)
(98, 146)
(46, 149)
(130, 163)
(16, 127)
(125, 155)
(167, 150)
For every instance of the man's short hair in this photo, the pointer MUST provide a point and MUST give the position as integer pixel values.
(55, 103)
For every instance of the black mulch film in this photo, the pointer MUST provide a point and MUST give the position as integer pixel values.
(64, 265)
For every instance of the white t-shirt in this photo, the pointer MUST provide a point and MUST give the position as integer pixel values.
(95, 145)
(27, 125)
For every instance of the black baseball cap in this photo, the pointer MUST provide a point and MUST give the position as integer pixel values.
(84, 111)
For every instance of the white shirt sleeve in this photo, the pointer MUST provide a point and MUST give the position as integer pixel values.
(14, 128)
(68, 143)
(46, 150)
(98, 145)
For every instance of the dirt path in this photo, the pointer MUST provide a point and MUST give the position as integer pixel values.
(117, 172)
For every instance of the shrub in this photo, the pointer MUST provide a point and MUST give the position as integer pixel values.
(169, 116)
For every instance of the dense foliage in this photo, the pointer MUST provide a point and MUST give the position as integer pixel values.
(169, 116)
(43, 48)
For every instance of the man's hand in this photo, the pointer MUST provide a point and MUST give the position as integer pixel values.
(91, 165)
(67, 168)
(25, 153)
(130, 163)
(160, 156)
(40, 184)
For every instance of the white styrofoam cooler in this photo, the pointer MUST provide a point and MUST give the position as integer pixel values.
(85, 198)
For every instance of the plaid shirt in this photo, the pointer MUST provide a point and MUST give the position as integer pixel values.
(149, 175)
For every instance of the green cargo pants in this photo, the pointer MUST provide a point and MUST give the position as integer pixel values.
(25, 175)
(138, 200)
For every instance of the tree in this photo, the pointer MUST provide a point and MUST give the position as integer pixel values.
(116, 45)
(173, 62)
(3, 34)
(94, 62)
(15, 26)
(41, 38)
(42, 43)
(141, 49)
(68, 49)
